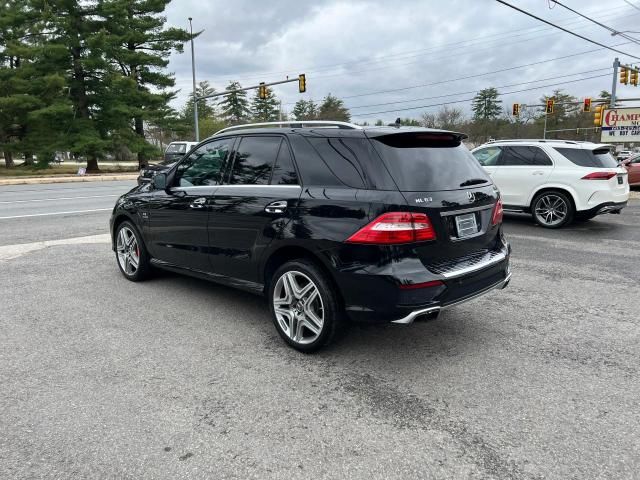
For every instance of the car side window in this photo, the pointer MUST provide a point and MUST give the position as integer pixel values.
(524, 156)
(488, 157)
(341, 160)
(254, 160)
(284, 172)
(206, 165)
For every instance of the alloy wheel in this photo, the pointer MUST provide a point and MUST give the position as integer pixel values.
(551, 209)
(128, 251)
(298, 307)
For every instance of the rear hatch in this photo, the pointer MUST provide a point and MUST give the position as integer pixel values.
(439, 177)
(598, 164)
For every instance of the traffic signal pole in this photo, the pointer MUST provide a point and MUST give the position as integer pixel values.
(614, 84)
(300, 79)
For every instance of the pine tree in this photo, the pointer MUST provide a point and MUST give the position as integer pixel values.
(138, 45)
(485, 104)
(265, 109)
(305, 110)
(235, 106)
(332, 108)
(206, 110)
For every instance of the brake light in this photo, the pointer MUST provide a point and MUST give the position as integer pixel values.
(415, 286)
(394, 228)
(498, 211)
(599, 176)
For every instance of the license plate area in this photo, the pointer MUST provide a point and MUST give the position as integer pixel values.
(466, 225)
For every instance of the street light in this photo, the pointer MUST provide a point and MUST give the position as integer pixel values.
(193, 71)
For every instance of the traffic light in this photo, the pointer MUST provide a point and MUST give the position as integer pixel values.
(624, 75)
(597, 115)
(634, 78)
(302, 83)
(549, 108)
(586, 105)
(262, 91)
(516, 109)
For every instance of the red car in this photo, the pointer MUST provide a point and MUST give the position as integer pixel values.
(632, 164)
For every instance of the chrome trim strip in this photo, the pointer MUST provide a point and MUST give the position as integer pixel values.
(477, 266)
(215, 187)
(412, 316)
(292, 124)
(466, 210)
(501, 284)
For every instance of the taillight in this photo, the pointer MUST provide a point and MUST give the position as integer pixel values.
(395, 227)
(496, 218)
(599, 176)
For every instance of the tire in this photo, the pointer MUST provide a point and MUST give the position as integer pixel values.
(552, 209)
(130, 250)
(304, 306)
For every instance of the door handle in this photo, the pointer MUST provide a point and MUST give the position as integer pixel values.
(537, 172)
(198, 203)
(276, 207)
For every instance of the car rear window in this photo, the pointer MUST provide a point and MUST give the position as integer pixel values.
(177, 148)
(429, 161)
(599, 158)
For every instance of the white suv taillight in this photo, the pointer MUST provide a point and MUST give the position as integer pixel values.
(395, 228)
(599, 176)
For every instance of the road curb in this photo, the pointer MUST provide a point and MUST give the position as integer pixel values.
(67, 179)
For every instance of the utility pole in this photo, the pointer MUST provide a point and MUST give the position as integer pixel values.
(195, 97)
(614, 84)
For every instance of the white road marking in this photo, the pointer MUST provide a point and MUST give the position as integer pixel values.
(57, 213)
(58, 198)
(7, 252)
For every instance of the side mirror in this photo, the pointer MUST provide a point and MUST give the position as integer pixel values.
(159, 181)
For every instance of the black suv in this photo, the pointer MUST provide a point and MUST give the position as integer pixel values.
(332, 222)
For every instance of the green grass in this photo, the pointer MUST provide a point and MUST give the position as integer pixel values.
(64, 169)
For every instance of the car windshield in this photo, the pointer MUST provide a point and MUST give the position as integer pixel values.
(177, 148)
(598, 158)
(429, 161)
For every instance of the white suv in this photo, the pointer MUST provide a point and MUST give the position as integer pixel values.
(555, 180)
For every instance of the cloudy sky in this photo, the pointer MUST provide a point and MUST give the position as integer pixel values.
(388, 59)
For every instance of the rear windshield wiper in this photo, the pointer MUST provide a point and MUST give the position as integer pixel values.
(473, 181)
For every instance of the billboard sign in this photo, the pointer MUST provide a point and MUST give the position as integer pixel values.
(620, 125)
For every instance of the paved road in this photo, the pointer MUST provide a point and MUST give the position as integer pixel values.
(61, 210)
(178, 378)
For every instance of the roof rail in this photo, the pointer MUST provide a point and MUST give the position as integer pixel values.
(294, 124)
(542, 140)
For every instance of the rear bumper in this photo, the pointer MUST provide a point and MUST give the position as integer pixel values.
(436, 309)
(380, 298)
(602, 208)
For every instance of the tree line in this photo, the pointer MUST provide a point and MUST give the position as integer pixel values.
(235, 107)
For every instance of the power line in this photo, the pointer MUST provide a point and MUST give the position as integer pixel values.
(566, 30)
(475, 91)
(515, 67)
(606, 27)
(632, 4)
(470, 99)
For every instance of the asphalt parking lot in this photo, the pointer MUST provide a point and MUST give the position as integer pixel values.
(178, 378)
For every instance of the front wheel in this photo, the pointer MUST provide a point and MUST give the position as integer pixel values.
(132, 256)
(552, 210)
(303, 305)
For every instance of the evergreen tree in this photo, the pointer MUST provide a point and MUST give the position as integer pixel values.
(206, 106)
(486, 105)
(138, 45)
(235, 106)
(265, 109)
(332, 108)
(305, 110)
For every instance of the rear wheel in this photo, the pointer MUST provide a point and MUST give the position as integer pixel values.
(132, 256)
(303, 305)
(552, 209)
